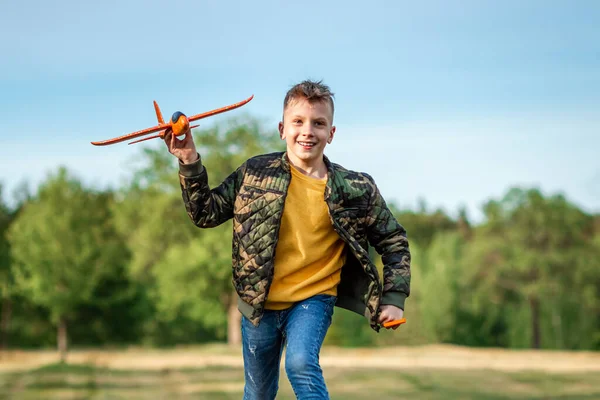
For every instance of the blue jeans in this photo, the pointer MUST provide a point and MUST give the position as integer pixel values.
(301, 330)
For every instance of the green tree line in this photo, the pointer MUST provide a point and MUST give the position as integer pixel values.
(82, 266)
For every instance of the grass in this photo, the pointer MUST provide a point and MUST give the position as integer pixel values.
(65, 381)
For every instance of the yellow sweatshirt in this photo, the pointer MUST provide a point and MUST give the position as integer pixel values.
(309, 254)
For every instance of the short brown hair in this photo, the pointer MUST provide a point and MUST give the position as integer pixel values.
(310, 90)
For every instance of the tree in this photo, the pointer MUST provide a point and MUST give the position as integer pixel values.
(440, 276)
(21, 196)
(596, 282)
(5, 274)
(62, 244)
(537, 252)
(422, 226)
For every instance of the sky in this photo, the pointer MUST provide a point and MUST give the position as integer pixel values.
(450, 102)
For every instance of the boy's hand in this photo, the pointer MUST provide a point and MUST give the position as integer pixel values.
(184, 149)
(390, 313)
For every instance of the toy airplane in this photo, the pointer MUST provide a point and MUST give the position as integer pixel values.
(179, 124)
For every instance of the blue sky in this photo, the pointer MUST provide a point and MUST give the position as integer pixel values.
(450, 101)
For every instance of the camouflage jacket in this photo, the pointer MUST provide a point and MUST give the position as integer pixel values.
(254, 196)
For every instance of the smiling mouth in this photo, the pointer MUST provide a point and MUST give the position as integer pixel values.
(307, 145)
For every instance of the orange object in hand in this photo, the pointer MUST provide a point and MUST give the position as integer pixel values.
(396, 322)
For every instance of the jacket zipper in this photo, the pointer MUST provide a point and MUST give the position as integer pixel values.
(345, 236)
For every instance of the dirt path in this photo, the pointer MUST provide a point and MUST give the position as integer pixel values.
(424, 357)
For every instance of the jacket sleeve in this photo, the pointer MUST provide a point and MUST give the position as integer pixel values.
(389, 239)
(207, 207)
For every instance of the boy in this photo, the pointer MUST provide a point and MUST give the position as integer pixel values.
(301, 229)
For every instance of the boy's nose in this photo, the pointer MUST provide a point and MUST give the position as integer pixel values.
(307, 132)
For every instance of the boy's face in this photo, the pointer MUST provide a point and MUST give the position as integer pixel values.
(307, 128)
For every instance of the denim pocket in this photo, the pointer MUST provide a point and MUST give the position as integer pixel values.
(329, 301)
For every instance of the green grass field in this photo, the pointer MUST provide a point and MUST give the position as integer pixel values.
(56, 381)
(215, 372)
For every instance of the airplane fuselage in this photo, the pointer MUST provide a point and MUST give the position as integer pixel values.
(179, 123)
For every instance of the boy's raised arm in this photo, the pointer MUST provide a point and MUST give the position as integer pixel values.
(389, 239)
(206, 207)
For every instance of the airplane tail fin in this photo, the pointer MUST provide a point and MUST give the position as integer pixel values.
(158, 113)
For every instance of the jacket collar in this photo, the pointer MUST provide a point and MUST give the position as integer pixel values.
(285, 164)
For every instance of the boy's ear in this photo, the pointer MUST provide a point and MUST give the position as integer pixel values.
(331, 133)
(281, 131)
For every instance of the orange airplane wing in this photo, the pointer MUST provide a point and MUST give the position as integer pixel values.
(133, 135)
(219, 110)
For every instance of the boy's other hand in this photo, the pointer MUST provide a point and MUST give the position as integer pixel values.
(390, 313)
(184, 149)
